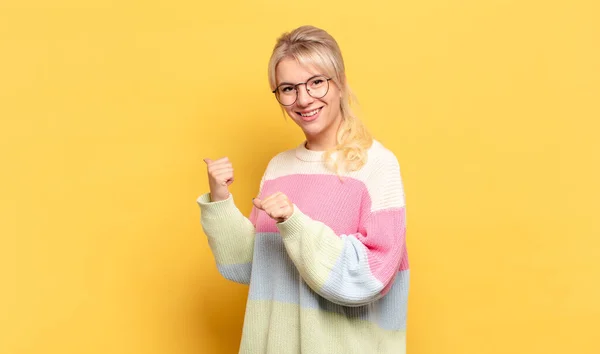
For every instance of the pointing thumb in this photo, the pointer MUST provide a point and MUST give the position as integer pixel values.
(208, 161)
(257, 203)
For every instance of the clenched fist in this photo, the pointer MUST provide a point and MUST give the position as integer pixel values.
(277, 206)
(220, 177)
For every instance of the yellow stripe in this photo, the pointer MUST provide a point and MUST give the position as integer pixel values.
(281, 328)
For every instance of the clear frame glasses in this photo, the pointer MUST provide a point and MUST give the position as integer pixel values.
(316, 87)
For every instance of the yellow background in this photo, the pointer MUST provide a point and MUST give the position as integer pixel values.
(108, 107)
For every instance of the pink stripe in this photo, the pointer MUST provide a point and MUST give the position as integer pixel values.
(339, 205)
(346, 208)
(383, 235)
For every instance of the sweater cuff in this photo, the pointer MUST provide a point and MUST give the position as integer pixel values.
(216, 210)
(293, 226)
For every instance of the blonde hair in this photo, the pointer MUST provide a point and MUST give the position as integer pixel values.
(313, 46)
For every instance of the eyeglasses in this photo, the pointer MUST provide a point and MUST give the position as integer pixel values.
(316, 87)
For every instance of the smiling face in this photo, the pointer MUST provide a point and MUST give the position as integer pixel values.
(319, 118)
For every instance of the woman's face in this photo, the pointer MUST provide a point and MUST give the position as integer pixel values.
(319, 118)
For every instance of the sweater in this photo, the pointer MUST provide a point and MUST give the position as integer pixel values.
(332, 278)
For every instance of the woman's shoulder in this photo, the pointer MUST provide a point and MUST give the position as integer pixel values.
(280, 164)
(384, 179)
(282, 158)
(381, 156)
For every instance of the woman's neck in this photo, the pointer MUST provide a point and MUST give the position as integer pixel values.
(316, 144)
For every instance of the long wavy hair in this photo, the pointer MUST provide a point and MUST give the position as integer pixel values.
(312, 46)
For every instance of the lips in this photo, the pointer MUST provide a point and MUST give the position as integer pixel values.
(310, 115)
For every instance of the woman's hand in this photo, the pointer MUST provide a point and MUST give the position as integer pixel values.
(220, 177)
(277, 206)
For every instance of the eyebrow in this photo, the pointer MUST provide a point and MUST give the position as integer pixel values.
(310, 78)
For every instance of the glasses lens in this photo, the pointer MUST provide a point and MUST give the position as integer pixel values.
(286, 94)
(318, 86)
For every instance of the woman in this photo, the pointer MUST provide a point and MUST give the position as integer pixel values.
(324, 247)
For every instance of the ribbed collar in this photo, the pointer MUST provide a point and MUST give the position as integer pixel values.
(304, 154)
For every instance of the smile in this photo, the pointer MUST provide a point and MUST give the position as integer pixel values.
(309, 116)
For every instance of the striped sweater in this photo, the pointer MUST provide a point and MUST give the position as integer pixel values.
(332, 278)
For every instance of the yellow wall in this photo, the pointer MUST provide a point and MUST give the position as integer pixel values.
(108, 107)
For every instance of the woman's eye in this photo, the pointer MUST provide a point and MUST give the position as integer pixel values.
(286, 89)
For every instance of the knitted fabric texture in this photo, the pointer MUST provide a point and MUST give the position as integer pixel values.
(332, 278)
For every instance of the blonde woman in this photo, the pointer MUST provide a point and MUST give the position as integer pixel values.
(323, 249)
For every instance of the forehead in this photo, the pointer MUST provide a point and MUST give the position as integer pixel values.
(291, 71)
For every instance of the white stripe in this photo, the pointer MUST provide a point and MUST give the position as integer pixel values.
(381, 174)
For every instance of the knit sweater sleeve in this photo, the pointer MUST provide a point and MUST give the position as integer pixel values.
(353, 269)
(230, 237)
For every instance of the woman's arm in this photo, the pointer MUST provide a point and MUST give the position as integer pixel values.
(230, 237)
(355, 269)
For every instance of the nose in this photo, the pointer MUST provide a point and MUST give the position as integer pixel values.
(304, 99)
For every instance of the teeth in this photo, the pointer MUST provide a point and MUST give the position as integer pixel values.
(310, 114)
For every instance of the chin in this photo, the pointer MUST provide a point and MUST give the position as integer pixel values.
(311, 133)
(316, 128)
